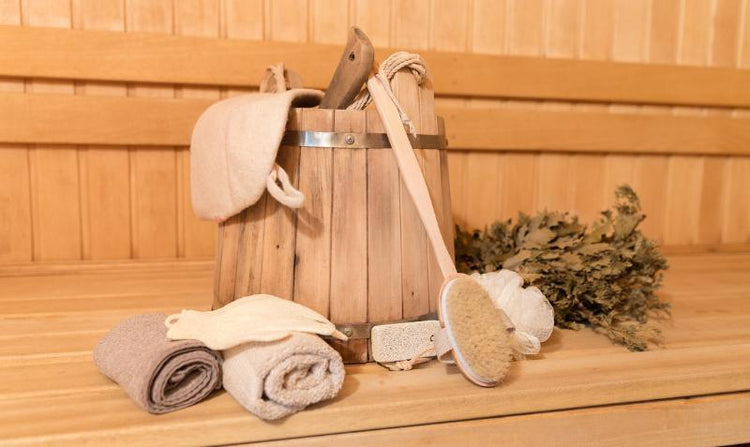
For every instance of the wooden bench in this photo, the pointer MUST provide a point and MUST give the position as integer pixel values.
(695, 390)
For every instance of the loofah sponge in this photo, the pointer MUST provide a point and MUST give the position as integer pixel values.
(476, 330)
(527, 308)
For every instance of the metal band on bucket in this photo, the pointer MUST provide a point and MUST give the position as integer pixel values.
(355, 140)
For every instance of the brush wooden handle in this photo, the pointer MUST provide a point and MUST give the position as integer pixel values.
(411, 174)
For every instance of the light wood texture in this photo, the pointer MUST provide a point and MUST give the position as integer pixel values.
(411, 175)
(279, 233)
(116, 121)
(319, 255)
(383, 231)
(15, 189)
(481, 53)
(312, 270)
(104, 172)
(349, 257)
(692, 390)
(158, 122)
(189, 60)
(54, 179)
(415, 249)
(153, 174)
(713, 420)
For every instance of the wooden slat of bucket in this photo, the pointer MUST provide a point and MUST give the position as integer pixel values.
(450, 235)
(279, 233)
(383, 230)
(433, 178)
(249, 264)
(312, 280)
(414, 246)
(349, 230)
(229, 236)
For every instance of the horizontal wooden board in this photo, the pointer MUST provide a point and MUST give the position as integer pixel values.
(114, 56)
(67, 119)
(580, 131)
(106, 120)
(710, 420)
(52, 394)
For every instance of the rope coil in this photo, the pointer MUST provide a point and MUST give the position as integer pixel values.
(387, 71)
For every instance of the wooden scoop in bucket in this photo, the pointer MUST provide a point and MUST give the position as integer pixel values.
(351, 73)
(474, 331)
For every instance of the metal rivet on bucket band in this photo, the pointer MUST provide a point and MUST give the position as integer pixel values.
(356, 140)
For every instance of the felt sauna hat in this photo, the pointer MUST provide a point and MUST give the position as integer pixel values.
(233, 152)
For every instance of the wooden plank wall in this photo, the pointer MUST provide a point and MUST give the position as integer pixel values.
(93, 203)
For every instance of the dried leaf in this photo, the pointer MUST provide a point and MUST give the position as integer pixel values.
(604, 276)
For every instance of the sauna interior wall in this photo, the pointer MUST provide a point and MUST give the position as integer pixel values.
(91, 203)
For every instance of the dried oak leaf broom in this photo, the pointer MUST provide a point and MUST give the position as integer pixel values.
(603, 276)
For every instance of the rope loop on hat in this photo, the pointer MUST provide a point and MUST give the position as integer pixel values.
(286, 193)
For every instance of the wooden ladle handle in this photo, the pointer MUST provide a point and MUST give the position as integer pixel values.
(351, 73)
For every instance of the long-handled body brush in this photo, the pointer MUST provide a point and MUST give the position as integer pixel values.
(474, 330)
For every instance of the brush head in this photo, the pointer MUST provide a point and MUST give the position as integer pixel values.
(476, 330)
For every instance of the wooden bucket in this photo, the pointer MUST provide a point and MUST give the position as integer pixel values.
(356, 252)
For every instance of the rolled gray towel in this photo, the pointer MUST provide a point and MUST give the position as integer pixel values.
(275, 379)
(158, 374)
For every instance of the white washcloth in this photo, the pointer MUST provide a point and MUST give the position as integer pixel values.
(275, 379)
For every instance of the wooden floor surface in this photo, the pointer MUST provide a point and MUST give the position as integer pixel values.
(694, 390)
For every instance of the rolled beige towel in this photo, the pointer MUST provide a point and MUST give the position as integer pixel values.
(275, 379)
(158, 374)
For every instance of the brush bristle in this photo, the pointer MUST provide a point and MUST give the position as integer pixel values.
(478, 330)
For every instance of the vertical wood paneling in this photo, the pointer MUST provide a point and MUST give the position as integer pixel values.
(55, 189)
(525, 27)
(15, 199)
(449, 31)
(242, 19)
(736, 227)
(374, 17)
(555, 188)
(598, 25)
(195, 237)
(685, 175)
(722, 53)
(629, 43)
(519, 176)
(328, 21)
(736, 218)
(411, 26)
(286, 20)
(105, 171)
(587, 171)
(651, 171)
(153, 172)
